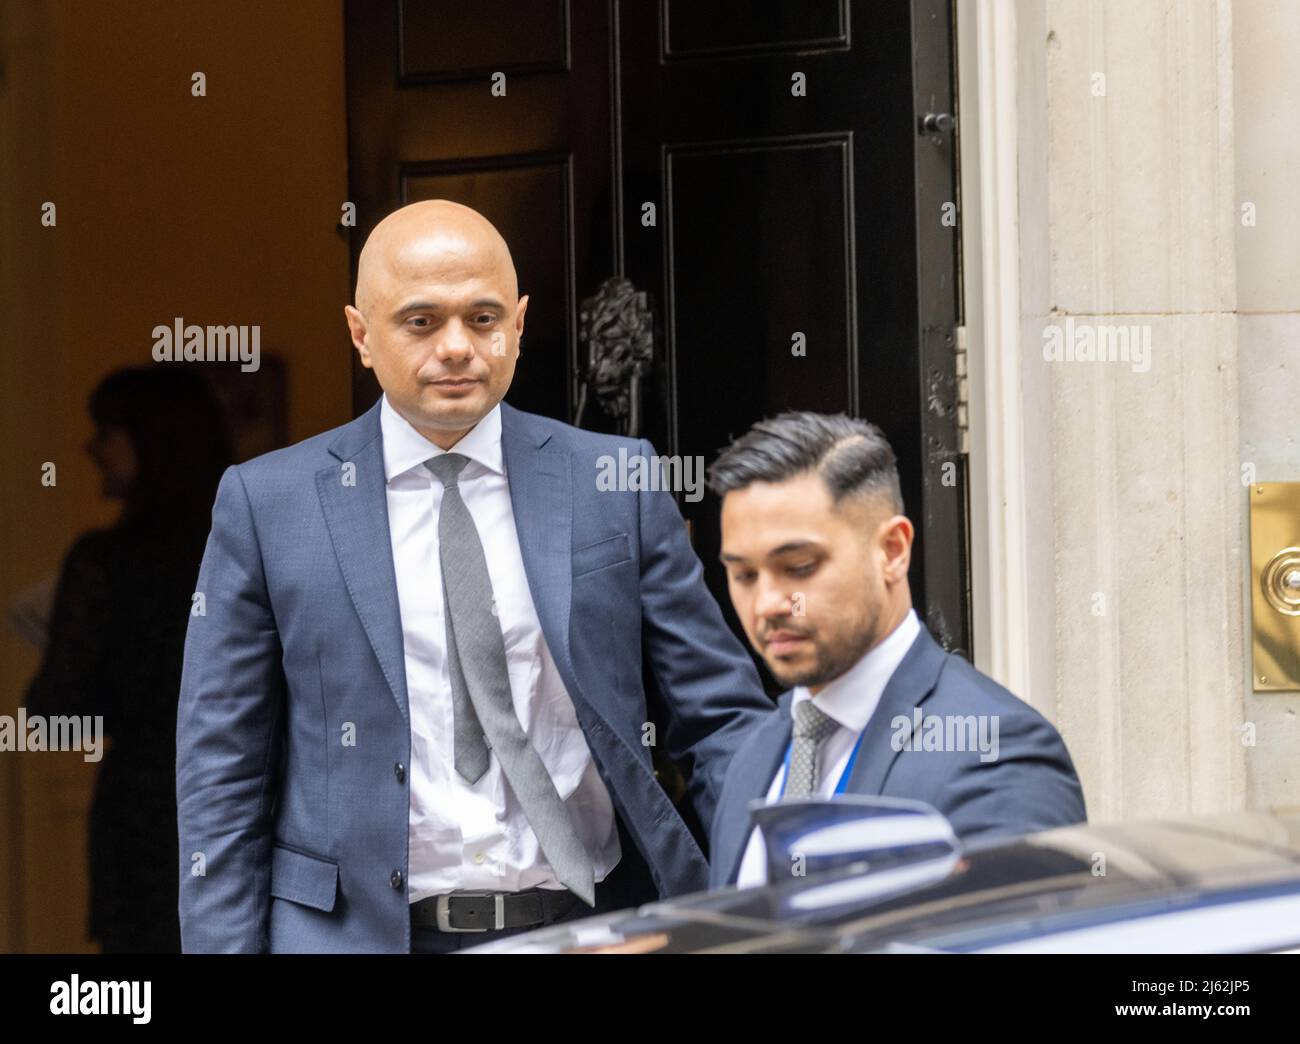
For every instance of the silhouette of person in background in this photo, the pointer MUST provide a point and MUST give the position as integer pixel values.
(117, 637)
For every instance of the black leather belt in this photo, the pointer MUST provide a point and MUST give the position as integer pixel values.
(480, 911)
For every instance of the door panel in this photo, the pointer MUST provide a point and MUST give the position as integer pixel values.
(783, 214)
(423, 122)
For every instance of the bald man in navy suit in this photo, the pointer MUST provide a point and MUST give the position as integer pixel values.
(414, 710)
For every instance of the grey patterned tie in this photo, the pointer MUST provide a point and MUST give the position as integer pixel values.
(480, 685)
(812, 727)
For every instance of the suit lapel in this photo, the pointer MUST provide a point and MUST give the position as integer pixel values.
(541, 498)
(908, 687)
(756, 767)
(754, 770)
(356, 516)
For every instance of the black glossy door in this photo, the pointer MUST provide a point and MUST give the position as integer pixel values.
(763, 171)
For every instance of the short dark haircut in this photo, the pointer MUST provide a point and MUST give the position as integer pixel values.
(853, 457)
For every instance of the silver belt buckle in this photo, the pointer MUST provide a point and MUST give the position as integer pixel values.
(442, 910)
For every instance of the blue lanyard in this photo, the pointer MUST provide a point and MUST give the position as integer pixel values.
(842, 785)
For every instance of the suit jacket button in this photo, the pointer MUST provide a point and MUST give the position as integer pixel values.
(399, 770)
(396, 879)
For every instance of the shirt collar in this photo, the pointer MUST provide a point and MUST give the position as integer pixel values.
(405, 448)
(852, 697)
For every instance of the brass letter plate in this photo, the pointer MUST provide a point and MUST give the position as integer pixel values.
(1275, 585)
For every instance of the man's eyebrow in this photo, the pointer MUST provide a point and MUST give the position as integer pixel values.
(793, 545)
(786, 548)
(430, 306)
(416, 306)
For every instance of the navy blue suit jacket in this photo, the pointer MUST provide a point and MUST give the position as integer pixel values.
(1031, 785)
(292, 840)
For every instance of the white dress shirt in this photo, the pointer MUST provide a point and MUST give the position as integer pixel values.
(850, 699)
(475, 835)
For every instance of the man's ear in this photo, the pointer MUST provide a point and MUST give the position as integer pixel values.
(357, 328)
(896, 536)
(520, 309)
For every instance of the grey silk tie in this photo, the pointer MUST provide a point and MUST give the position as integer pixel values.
(812, 727)
(480, 685)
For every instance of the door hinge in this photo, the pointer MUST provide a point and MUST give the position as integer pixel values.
(963, 402)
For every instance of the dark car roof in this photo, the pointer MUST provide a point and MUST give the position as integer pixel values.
(992, 894)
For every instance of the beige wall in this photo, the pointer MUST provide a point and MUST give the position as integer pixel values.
(1133, 624)
(220, 209)
(1146, 517)
(1266, 98)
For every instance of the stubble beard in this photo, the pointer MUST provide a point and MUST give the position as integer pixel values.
(833, 659)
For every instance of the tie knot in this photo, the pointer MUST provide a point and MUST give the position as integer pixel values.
(447, 467)
(811, 722)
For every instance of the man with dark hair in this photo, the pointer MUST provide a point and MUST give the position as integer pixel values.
(817, 549)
